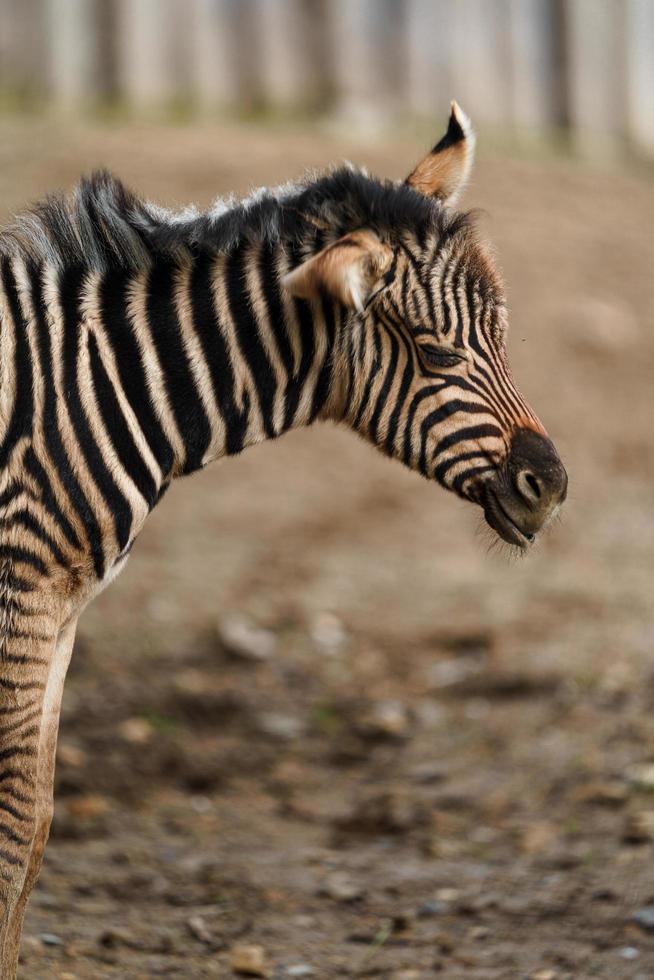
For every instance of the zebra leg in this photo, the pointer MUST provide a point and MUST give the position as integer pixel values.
(29, 722)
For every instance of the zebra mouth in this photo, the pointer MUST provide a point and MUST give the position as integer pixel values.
(504, 525)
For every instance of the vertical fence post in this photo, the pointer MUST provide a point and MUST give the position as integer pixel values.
(428, 56)
(596, 75)
(153, 51)
(480, 56)
(22, 48)
(640, 74)
(535, 65)
(73, 48)
(367, 53)
(289, 52)
(214, 61)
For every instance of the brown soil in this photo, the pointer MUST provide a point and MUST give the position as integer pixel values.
(448, 779)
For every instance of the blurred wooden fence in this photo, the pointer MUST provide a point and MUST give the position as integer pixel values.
(582, 65)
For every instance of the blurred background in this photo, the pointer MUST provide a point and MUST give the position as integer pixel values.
(316, 717)
(582, 69)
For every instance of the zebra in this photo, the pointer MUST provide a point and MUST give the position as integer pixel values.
(137, 345)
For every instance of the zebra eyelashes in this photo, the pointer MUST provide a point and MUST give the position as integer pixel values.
(439, 357)
(350, 270)
(444, 172)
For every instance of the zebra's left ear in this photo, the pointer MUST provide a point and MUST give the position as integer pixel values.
(349, 270)
(444, 172)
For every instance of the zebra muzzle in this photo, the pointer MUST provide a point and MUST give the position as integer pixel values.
(522, 500)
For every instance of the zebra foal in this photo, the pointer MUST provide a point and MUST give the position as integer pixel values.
(137, 345)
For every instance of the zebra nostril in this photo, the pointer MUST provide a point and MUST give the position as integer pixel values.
(528, 486)
(536, 473)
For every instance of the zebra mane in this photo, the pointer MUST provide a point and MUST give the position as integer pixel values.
(102, 225)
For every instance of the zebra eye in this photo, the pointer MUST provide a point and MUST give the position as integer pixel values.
(440, 357)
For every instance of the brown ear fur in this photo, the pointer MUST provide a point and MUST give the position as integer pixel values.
(444, 172)
(348, 270)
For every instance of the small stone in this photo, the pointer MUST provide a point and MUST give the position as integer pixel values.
(479, 933)
(448, 894)
(433, 907)
(245, 641)
(284, 727)
(201, 804)
(389, 719)
(454, 670)
(644, 917)
(300, 970)
(641, 775)
(249, 961)
(50, 939)
(136, 731)
(628, 953)
(341, 887)
(328, 634)
(543, 975)
(639, 827)
(407, 975)
(198, 928)
(190, 683)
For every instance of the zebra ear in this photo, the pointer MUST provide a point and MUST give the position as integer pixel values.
(348, 270)
(444, 172)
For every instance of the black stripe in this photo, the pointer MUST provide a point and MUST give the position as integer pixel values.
(113, 300)
(438, 416)
(23, 406)
(13, 490)
(14, 751)
(117, 428)
(20, 584)
(471, 432)
(447, 464)
(9, 834)
(214, 347)
(469, 474)
(11, 858)
(270, 292)
(27, 520)
(184, 398)
(247, 336)
(351, 359)
(14, 812)
(384, 391)
(324, 382)
(55, 445)
(400, 398)
(48, 499)
(418, 398)
(69, 296)
(376, 365)
(307, 347)
(22, 659)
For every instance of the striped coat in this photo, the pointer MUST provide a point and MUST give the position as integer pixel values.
(137, 345)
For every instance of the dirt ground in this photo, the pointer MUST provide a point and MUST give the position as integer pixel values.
(442, 764)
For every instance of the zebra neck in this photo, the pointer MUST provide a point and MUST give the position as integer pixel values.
(237, 360)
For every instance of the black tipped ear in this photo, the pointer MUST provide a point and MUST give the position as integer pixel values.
(349, 270)
(444, 172)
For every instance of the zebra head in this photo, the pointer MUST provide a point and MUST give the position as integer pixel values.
(424, 350)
